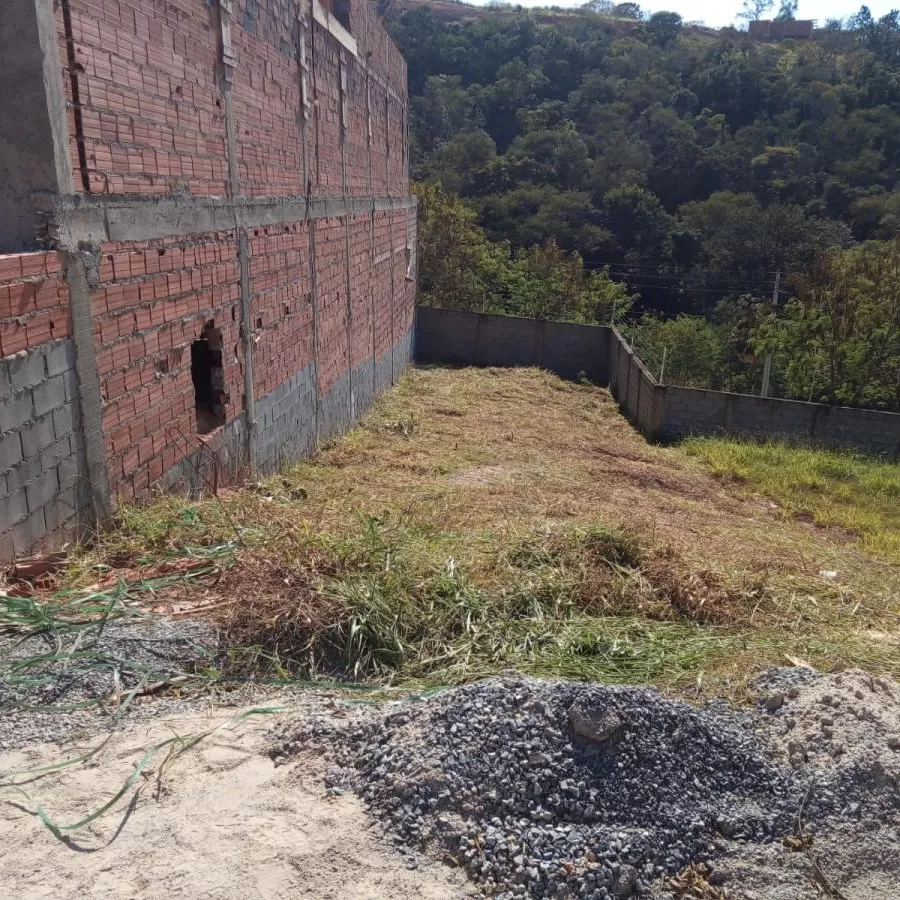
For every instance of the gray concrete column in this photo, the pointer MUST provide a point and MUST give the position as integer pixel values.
(35, 167)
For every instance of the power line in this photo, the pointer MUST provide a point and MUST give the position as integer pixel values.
(747, 289)
(618, 263)
(683, 281)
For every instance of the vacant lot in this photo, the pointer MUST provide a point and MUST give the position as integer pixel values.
(483, 520)
(478, 522)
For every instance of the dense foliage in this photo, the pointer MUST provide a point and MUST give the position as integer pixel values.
(689, 164)
(461, 269)
(837, 340)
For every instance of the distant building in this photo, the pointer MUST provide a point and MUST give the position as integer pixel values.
(768, 30)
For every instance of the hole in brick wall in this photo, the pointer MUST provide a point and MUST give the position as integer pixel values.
(259, 323)
(161, 251)
(234, 314)
(287, 309)
(287, 229)
(208, 375)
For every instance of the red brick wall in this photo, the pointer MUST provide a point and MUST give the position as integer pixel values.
(152, 113)
(151, 107)
(281, 300)
(358, 134)
(152, 95)
(361, 289)
(154, 301)
(34, 301)
(402, 311)
(267, 100)
(331, 302)
(327, 117)
(382, 286)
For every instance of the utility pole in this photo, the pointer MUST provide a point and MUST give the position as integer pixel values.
(767, 367)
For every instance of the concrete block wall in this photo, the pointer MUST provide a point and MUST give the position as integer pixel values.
(661, 412)
(637, 392)
(236, 165)
(697, 412)
(42, 463)
(468, 338)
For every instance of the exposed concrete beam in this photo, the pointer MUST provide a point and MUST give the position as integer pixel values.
(227, 66)
(82, 220)
(82, 275)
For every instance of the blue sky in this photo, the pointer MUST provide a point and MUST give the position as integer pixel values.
(717, 13)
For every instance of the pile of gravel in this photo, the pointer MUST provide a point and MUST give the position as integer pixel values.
(547, 789)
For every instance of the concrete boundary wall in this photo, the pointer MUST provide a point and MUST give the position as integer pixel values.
(478, 339)
(660, 412)
(228, 172)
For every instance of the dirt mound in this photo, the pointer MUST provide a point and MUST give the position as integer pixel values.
(845, 725)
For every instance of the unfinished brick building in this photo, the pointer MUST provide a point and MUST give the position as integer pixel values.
(209, 247)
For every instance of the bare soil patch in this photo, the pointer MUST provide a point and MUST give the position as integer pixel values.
(223, 822)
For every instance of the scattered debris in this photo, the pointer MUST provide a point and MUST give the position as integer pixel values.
(32, 574)
(49, 681)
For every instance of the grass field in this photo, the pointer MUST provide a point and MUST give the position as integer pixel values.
(485, 520)
(848, 491)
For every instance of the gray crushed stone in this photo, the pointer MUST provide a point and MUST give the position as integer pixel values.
(786, 679)
(552, 789)
(53, 699)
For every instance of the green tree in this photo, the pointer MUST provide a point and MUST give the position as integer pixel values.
(638, 221)
(458, 266)
(444, 108)
(838, 340)
(557, 156)
(787, 11)
(687, 350)
(663, 28)
(705, 161)
(459, 162)
(531, 214)
(628, 11)
(754, 10)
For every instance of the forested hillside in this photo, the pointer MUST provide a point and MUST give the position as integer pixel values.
(693, 166)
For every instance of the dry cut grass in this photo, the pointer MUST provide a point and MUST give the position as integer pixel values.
(482, 520)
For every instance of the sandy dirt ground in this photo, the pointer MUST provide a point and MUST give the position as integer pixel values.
(226, 824)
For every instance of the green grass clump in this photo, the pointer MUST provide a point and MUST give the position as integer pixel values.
(860, 494)
(387, 603)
